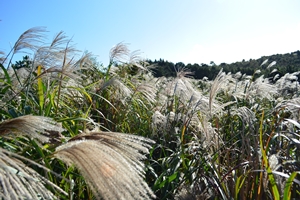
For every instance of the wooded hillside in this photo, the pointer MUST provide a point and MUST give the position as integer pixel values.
(283, 63)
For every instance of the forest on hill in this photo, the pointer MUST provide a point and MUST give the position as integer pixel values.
(269, 66)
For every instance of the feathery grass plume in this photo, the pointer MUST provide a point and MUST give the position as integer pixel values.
(164, 124)
(158, 123)
(189, 103)
(18, 78)
(59, 57)
(52, 54)
(264, 62)
(148, 76)
(215, 87)
(72, 71)
(146, 89)
(276, 77)
(208, 132)
(120, 90)
(110, 162)
(135, 56)
(119, 53)
(184, 72)
(291, 106)
(18, 181)
(258, 71)
(135, 60)
(261, 88)
(273, 71)
(238, 86)
(30, 39)
(184, 89)
(181, 86)
(31, 126)
(271, 64)
(288, 85)
(230, 87)
(126, 69)
(85, 62)
(246, 115)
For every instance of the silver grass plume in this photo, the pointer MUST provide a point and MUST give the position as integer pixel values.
(119, 53)
(264, 62)
(291, 105)
(184, 72)
(52, 54)
(18, 181)
(246, 115)
(30, 39)
(237, 84)
(31, 126)
(288, 83)
(120, 90)
(128, 60)
(261, 88)
(146, 89)
(110, 162)
(273, 71)
(159, 122)
(208, 132)
(60, 58)
(271, 64)
(135, 60)
(215, 87)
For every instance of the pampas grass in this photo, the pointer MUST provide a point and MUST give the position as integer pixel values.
(110, 163)
(30, 126)
(18, 181)
(16, 178)
(210, 135)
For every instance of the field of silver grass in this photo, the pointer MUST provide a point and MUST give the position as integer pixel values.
(74, 129)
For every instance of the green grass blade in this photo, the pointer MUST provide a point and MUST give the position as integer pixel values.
(6, 74)
(238, 185)
(40, 88)
(265, 159)
(288, 185)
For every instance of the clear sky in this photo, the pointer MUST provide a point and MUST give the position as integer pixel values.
(189, 31)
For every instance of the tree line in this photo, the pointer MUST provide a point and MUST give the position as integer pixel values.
(269, 66)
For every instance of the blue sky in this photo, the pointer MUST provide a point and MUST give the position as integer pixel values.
(189, 31)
